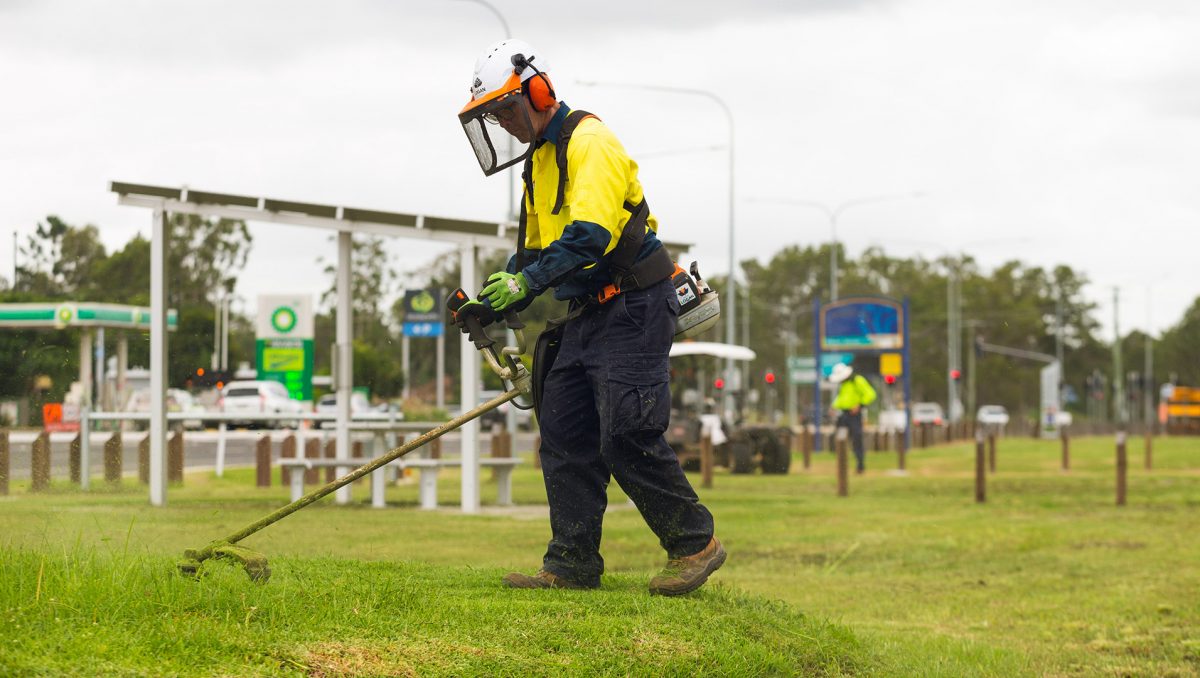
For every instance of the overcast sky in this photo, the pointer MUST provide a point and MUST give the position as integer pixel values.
(1054, 131)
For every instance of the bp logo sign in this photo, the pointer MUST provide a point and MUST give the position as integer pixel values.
(283, 319)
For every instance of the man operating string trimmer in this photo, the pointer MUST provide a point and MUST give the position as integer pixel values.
(601, 376)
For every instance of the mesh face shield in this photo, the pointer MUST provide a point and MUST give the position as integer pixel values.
(489, 124)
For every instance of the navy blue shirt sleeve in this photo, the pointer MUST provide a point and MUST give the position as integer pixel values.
(582, 243)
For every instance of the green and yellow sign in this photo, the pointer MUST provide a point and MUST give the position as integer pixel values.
(285, 342)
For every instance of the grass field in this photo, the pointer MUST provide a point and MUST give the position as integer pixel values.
(906, 576)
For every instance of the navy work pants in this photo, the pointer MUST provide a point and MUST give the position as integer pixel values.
(605, 405)
(854, 426)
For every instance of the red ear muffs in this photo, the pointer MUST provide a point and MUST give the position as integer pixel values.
(541, 92)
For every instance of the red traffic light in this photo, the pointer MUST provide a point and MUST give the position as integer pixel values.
(719, 383)
(770, 377)
(955, 374)
(889, 379)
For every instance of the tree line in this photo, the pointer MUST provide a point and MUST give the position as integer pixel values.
(1013, 304)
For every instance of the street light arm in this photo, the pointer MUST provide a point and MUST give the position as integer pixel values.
(491, 8)
(870, 200)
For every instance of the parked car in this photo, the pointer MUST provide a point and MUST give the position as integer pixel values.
(928, 413)
(259, 397)
(992, 415)
(500, 414)
(327, 404)
(178, 400)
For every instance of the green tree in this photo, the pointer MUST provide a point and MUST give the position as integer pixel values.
(1178, 354)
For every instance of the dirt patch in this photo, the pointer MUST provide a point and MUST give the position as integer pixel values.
(326, 660)
(1116, 545)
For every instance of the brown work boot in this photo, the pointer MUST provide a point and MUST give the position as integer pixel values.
(686, 574)
(541, 580)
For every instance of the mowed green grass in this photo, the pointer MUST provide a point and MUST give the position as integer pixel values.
(906, 576)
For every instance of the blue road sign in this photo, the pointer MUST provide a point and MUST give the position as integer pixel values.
(424, 329)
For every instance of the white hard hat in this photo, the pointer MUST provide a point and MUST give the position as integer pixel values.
(494, 69)
(840, 372)
(506, 74)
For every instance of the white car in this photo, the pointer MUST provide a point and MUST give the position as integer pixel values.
(327, 404)
(992, 415)
(178, 400)
(928, 413)
(259, 397)
(500, 414)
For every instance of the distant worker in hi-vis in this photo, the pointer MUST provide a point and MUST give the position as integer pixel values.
(854, 393)
(600, 375)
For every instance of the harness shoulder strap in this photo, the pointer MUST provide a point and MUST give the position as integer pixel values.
(560, 153)
(523, 220)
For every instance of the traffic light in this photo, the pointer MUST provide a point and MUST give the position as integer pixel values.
(956, 374)
(889, 379)
(718, 383)
(769, 377)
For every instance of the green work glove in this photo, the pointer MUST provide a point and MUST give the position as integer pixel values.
(505, 289)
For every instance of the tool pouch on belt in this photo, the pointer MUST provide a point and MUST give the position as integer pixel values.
(544, 353)
(546, 350)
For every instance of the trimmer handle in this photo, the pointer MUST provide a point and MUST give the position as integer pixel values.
(471, 318)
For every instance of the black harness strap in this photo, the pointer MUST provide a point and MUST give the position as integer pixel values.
(560, 153)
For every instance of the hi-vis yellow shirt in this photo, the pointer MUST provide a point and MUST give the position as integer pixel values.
(601, 177)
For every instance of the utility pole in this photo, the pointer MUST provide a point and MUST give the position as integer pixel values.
(953, 340)
(972, 325)
(1150, 385)
(1118, 375)
(787, 359)
(1059, 316)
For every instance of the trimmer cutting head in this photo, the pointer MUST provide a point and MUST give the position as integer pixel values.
(253, 562)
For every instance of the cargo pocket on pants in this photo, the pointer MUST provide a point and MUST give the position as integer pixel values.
(639, 398)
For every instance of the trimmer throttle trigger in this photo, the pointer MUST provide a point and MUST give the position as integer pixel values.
(471, 318)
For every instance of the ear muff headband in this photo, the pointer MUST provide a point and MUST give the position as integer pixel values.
(540, 91)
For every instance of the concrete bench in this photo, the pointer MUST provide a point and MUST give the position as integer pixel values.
(427, 483)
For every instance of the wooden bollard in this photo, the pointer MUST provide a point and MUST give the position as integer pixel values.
(1122, 467)
(877, 446)
(312, 450)
(262, 462)
(5, 463)
(330, 453)
(1149, 448)
(537, 452)
(40, 463)
(435, 448)
(114, 458)
(806, 447)
(500, 447)
(175, 458)
(75, 458)
(980, 472)
(924, 436)
(144, 461)
(287, 450)
(901, 450)
(991, 452)
(843, 466)
(706, 461)
(1066, 448)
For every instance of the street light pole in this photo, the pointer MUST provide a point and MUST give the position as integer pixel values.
(730, 298)
(512, 173)
(833, 214)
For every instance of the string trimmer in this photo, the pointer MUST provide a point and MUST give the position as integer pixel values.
(471, 319)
